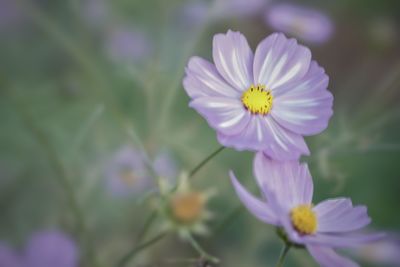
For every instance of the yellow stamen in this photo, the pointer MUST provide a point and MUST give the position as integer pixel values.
(304, 219)
(257, 100)
(188, 207)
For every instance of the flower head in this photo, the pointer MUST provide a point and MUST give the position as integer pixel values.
(127, 172)
(308, 24)
(261, 102)
(287, 191)
(185, 208)
(47, 248)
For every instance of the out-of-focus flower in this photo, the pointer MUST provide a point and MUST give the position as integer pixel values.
(51, 248)
(385, 252)
(307, 24)
(185, 209)
(11, 15)
(127, 173)
(48, 248)
(127, 46)
(265, 102)
(287, 191)
(8, 257)
(95, 12)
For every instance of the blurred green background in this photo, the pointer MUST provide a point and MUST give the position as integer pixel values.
(70, 98)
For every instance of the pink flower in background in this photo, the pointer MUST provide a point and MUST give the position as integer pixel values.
(286, 202)
(307, 24)
(125, 45)
(265, 101)
(48, 248)
(127, 173)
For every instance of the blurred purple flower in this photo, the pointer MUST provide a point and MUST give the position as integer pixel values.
(287, 191)
(95, 12)
(51, 248)
(262, 102)
(127, 46)
(307, 24)
(385, 252)
(128, 174)
(8, 257)
(11, 15)
(44, 249)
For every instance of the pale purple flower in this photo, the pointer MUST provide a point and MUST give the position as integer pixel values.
(286, 202)
(8, 257)
(127, 172)
(308, 24)
(261, 102)
(384, 252)
(48, 248)
(11, 15)
(127, 45)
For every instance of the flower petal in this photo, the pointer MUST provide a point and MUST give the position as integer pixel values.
(304, 106)
(286, 145)
(8, 257)
(279, 60)
(290, 181)
(226, 115)
(203, 79)
(259, 209)
(339, 215)
(344, 240)
(233, 58)
(327, 257)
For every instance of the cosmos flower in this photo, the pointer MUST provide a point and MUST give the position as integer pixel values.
(125, 45)
(261, 102)
(47, 248)
(185, 209)
(385, 252)
(127, 173)
(307, 24)
(287, 191)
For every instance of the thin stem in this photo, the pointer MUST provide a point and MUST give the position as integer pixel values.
(147, 225)
(130, 256)
(62, 177)
(204, 162)
(201, 251)
(284, 252)
(234, 213)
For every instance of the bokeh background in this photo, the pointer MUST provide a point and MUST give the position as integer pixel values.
(88, 84)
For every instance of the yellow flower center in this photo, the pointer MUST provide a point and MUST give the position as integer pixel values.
(304, 219)
(128, 177)
(188, 207)
(257, 100)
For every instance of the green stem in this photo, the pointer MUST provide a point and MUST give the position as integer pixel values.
(201, 251)
(204, 162)
(62, 177)
(284, 252)
(130, 256)
(234, 213)
(146, 227)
